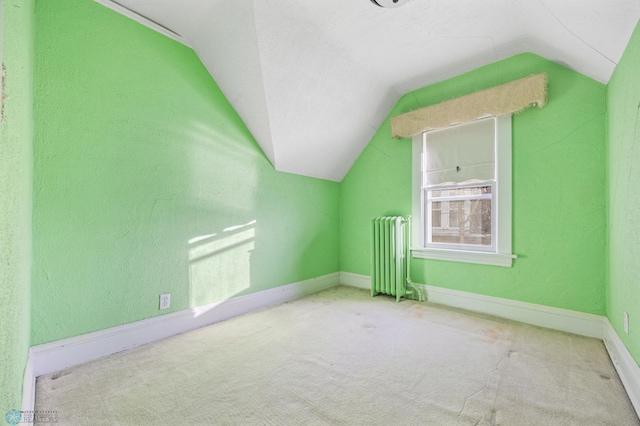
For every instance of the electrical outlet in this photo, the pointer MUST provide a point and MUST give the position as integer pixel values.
(165, 301)
(626, 323)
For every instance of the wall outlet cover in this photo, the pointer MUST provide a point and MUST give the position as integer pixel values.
(165, 301)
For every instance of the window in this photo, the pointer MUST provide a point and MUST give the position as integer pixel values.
(462, 193)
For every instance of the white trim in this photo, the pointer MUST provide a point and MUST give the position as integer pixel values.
(417, 198)
(355, 280)
(467, 256)
(55, 356)
(544, 316)
(624, 364)
(143, 20)
(503, 180)
(29, 386)
(589, 325)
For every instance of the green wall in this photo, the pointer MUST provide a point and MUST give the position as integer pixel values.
(146, 181)
(143, 180)
(15, 199)
(623, 112)
(559, 214)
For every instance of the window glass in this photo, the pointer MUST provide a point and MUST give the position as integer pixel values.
(467, 221)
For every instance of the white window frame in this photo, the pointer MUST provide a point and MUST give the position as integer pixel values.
(499, 254)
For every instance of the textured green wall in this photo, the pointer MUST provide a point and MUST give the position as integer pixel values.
(15, 199)
(623, 112)
(146, 181)
(559, 173)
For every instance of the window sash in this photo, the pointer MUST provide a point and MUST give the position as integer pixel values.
(428, 220)
(479, 184)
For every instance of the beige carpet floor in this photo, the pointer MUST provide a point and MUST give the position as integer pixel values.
(340, 357)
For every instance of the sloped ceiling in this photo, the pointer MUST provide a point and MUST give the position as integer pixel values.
(313, 80)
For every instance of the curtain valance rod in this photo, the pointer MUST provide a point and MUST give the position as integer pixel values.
(507, 98)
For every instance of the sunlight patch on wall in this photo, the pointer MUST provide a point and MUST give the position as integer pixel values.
(201, 238)
(220, 264)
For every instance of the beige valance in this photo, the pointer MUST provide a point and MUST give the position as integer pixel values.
(504, 99)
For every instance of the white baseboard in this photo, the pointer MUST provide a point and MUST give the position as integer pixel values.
(54, 356)
(544, 316)
(558, 319)
(355, 280)
(624, 363)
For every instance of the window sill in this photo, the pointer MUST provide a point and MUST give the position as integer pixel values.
(483, 258)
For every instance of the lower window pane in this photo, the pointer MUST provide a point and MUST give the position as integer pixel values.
(461, 222)
(436, 215)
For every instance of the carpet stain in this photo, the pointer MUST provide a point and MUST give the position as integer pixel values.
(59, 374)
(495, 334)
(418, 315)
(416, 312)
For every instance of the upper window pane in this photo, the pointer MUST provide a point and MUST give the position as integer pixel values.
(461, 153)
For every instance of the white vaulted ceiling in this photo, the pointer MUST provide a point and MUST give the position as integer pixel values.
(313, 80)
